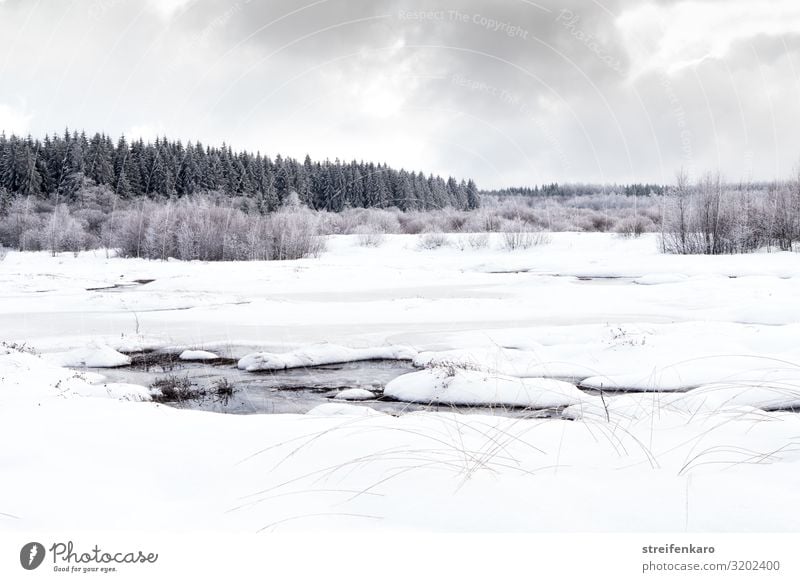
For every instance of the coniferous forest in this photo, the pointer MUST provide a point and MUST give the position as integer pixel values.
(59, 166)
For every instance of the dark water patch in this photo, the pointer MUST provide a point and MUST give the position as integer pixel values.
(578, 278)
(782, 408)
(159, 361)
(630, 390)
(116, 287)
(296, 390)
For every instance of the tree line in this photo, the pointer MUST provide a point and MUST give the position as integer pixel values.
(58, 167)
(555, 189)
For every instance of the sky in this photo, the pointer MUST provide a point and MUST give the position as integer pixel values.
(507, 92)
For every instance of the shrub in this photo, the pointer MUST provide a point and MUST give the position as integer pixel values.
(20, 228)
(519, 236)
(432, 240)
(633, 226)
(369, 236)
(175, 389)
(478, 240)
(484, 220)
(294, 235)
(712, 219)
(63, 233)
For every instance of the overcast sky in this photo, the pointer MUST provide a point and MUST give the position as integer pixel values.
(508, 92)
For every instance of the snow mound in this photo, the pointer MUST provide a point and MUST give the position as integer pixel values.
(321, 355)
(473, 387)
(355, 394)
(99, 356)
(341, 409)
(197, 356)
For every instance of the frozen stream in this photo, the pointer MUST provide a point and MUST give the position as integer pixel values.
(296, 390)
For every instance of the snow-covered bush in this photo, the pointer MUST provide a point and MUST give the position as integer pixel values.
(713, 219)
(483, 220)
(369, 236)
(125, 231)
(62, 232)
(518, 236)
(474, 241)
(432, 240)
(294, 234)
(634, 226)
(20, 228)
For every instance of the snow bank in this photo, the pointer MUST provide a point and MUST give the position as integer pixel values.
(197, 356)
(661, 278)
(119, 391)
(26, 378)
(337, 409)
(473, 387)
(321, 355)
(710, 399)
(99, 356)
(735, 371)
(355, 394)
(766, 397)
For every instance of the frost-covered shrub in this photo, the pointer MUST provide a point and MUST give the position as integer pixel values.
(517, 209)
(598, 222)
(483, 220)
(473, 241)
(384, 220)
(414, 223)
(160, 235)
(31, 240)
(478, 240)
(369, 236)
(62, 232)
(520, 236)
(634, 226)
(21, 226)
(432, 240)
(454, 220)
(782, 219)
(710, 218)
(331, 223)
(200, 229)
(294, 235)
(125, 230)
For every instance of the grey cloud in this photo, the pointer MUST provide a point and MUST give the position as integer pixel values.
(507, 92)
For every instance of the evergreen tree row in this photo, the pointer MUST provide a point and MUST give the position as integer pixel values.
(59, 166)
(555, 189)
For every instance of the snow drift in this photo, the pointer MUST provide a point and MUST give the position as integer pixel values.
(472, 387)
(321, 355)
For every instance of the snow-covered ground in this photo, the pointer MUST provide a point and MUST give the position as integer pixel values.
(707, 441)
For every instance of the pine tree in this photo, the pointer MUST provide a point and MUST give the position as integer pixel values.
(473, 197)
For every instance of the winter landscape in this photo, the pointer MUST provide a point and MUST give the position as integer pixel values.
(662, 375)
(594, 331)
